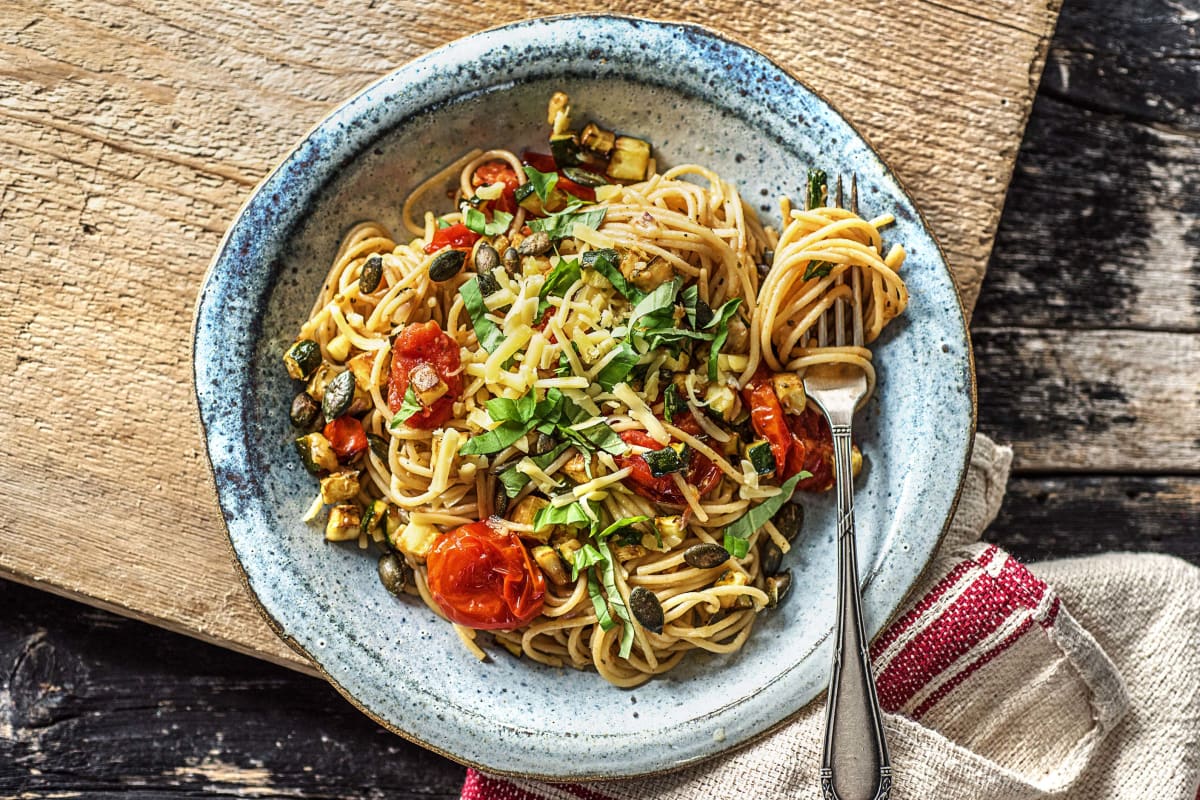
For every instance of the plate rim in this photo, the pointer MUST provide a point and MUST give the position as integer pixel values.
(281, 162)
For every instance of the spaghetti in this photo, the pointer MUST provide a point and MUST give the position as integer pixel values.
(572, 411)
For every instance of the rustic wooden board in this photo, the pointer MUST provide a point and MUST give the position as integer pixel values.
(130, 133)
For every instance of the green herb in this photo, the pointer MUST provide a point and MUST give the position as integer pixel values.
(503, 409)
(575, 514)
(608, 575)
(815, 196)
(720, 323)
(817, 269)
(699, 313)
(442, 222)
(562, 224)
(606, 261)
(596, 437)
(487, 332)
(673, 402)
(495, 440)
(618, 526)
(514, 480)
(604, 619)
(656, 307)
(409, 407)
(560, 279)
(744, 526)
(477, 222)
(585, 557)
(617, 369)
(543, 182)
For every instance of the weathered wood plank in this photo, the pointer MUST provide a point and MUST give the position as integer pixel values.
(130, 133)
(1055, 517)
(1092, 401)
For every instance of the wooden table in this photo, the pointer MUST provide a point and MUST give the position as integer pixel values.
(1086, 336)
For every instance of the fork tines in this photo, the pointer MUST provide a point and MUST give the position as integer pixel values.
(840, 333)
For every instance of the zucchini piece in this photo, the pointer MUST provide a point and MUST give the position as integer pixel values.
(789, 388)
(305, 410)
(567, 152)
(673, 402)
(339, 486)
(317, 453)
(374, 516)
(526, 197)
(759, 455)
(596, 139)
(361, 366)
(302, 359)
(584, 177)
(630, 159)
(344, 522)
(427, 384)
(319, 380)
(551, 565)
(663, 462)
(339, 394)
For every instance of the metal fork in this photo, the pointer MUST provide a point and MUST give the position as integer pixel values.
(854, 759)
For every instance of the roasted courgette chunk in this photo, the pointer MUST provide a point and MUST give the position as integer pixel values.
(316, 453)
(344, 522)
(426, 384)
(789, 388)
(759, 455)
(663, 462)
(528, 199)
(302, 359)
(630, 159)
(339, 486)
(567, 152)
(673, 402)
(597, 139)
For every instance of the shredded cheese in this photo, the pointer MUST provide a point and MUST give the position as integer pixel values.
(641, 412)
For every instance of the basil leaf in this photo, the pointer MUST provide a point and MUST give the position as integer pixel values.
(487, 332)
(409, 407)
(495, 440)
(573, 514)
(608, 575)
(655, 304)
(720, 321)
(699, 313)
(597, 437)
(560, 279)
(817, 269)
(607, 262)
(475, 220)
(604, 619)
(502, 409)
(815, 196)
(737, 547)
(514, 480)
(585, 557)
(443, 223)
(624, 522)
(744, 526)
(562, 224)
(673, 402)
(543, 182)
(618, 368)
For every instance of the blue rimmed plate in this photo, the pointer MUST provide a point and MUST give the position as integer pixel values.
(699, 98)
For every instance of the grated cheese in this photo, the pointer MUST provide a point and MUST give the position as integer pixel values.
(642, 413)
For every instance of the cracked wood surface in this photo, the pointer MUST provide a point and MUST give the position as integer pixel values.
(131, 133)
(1107, 181)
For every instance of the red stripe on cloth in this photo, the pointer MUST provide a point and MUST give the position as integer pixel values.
(1023, 585)
(961, 676)
(582, 792)
(910, 618)
(974, 615)
(484, 787)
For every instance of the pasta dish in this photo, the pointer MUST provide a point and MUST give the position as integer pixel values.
(567, 400)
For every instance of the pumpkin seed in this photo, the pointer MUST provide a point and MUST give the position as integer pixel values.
(705, 556)
(543, 444)
(777, 587)
(339, 394)
(535, 244)
(789, 520)
(511, 260)
(486, 258)
(305, 410)
(393, 573)
(446, 265)
(772, 557)
(499, 500)
(379, 446)
(646, 609)
(488, 284)
(584, 178)
(372, 274)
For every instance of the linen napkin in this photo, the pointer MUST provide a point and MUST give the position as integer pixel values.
(992, 689)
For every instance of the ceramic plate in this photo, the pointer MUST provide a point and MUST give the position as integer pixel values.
(698, 97)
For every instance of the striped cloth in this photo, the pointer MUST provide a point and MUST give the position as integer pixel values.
(993, 689)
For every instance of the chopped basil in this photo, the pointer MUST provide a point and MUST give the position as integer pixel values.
(596, 437)
(571, 514)
(443, 223)
(608, 575)
(617, 369)
(817, 269)
(606, 261)
(585, 557)
(543, 182)
(618, 526)
(514, 480)
(656, 308)
(744, 526)
(560, 279)
(673, 402)
(815, 196)
(487, 332)
(720, 323)
(737, 547)
(604, 619)
(409, 407)
(477, 222)
(562, 224)
(502, 409)
(495, 440)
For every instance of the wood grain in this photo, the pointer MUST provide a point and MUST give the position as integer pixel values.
(131, 132)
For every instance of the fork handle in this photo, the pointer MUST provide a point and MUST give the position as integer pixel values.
(854, 760)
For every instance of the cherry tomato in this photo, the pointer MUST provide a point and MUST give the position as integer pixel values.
(425, 343)
(700, 473)
(482, 576)
(766, 415)
(539, 161)
(457, 237)
(499, 172)
(811, 449)
(347, 436)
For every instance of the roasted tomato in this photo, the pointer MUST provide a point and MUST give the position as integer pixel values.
(766, 415)
(544, 163)
(347, 436)
(499, 172)
(425, 343)
(481, 576)
(700, 472)
(457, 237)
(811, 449)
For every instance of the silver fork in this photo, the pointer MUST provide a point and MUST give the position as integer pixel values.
(854, 759)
